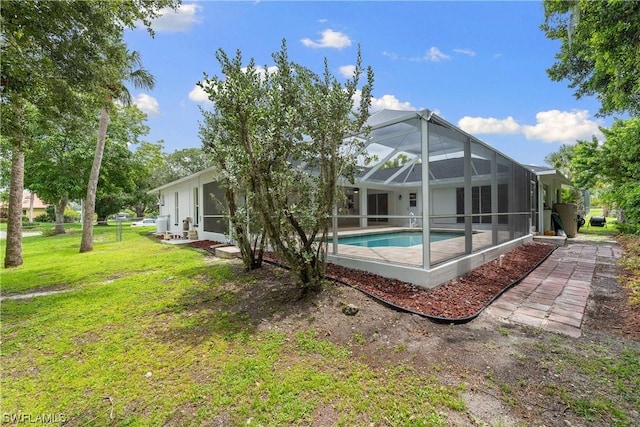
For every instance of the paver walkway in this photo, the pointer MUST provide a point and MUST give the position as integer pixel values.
(554, 296)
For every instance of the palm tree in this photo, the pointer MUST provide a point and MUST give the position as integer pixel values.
(126, 66)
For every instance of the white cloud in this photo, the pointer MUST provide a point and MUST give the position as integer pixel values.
(330, 38)
(562, 126)
(262, 72)
(483, 125)
(147, 104)
(198, 94)
(432, 55)
(347, 70)
(467, 52)
(390, 102)
(178, 21)
(391, 55)
(551, 126)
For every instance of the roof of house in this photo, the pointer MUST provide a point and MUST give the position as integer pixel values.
(37, 202)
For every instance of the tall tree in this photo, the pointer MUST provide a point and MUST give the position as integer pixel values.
(120, 170)
(600, 51)
(620, 164)
(149, 172)
(51, 52)
(284, 133)
(185, 162)
(561, 159)
(126, 66)
(56, 165)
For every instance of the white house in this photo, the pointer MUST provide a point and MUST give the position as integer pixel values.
(478, 203)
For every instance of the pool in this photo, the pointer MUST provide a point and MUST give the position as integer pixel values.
(402, 239)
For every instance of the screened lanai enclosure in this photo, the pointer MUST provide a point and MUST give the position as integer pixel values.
(435, 203)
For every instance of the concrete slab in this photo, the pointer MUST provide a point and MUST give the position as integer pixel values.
(228, 252)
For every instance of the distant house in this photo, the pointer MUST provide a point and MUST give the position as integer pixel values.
(32, 206)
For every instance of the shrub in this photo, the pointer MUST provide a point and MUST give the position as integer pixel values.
(43, 218)
(71, 216)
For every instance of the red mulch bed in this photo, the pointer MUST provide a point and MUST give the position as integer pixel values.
(458, 299)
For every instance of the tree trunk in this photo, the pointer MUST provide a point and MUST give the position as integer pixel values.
(59, 208)
(13, 251)
(90, 201)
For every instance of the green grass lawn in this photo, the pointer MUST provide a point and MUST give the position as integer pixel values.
(601, 231)
(129, 344)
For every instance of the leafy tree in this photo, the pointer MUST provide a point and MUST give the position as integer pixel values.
(400, 160)
(149, 171)
(186, 162)
(561, 159)
(65, 39)
(612, 167)
(584, 164)
(58, 158)
(119, 173)
(600, 52)
(282, 138)
(123, 66)
(620, 165)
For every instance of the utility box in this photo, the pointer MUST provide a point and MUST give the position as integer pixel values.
(569, 215)
(161, 225)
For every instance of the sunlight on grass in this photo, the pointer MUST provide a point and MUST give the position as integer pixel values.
(145, 336)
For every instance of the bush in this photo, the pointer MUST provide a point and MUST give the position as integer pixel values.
(49, 232)
(71, 216)
(43, 218)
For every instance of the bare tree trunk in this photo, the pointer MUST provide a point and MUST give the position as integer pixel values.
(60, 207)
(90, 201)
(13, 251)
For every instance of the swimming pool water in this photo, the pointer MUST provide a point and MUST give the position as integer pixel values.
(403, 239)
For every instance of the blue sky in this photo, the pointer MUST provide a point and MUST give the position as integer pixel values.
(479, 65)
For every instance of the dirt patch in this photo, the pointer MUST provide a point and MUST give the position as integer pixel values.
(513, 375)
(456, 300)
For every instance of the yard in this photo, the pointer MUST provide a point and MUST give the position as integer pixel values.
(140, 333)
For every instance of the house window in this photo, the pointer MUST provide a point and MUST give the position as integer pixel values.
(413, 200)
(196, 206)
(177, 208)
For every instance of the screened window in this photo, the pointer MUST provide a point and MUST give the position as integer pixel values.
(214, 209)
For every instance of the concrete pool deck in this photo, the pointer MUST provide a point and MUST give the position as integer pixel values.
(412, 256)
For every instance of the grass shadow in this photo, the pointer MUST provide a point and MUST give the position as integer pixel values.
(231, 303)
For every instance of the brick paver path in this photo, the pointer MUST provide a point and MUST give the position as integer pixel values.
(554, 296)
